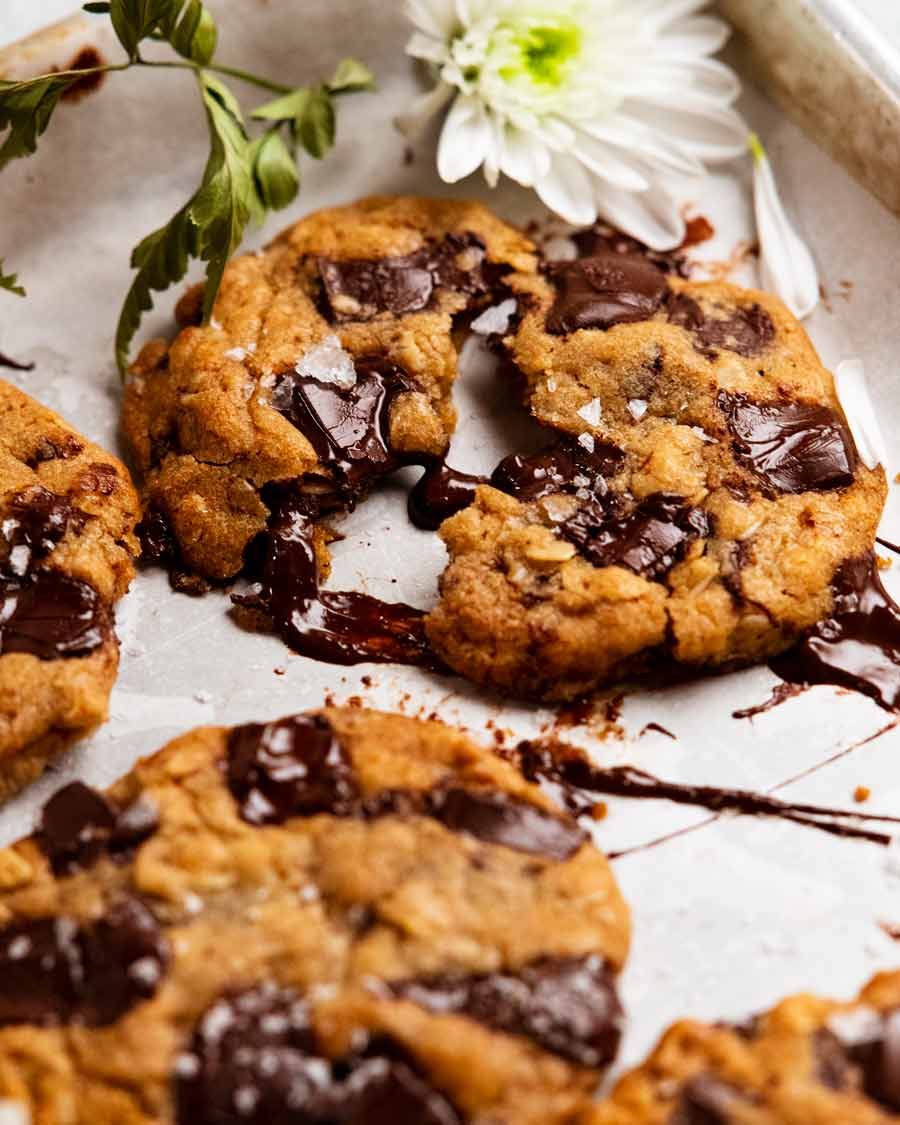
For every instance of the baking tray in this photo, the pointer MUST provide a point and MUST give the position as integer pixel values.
(729, 913)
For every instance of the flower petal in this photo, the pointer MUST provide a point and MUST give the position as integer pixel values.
(712, 135)
(413, 123)
(786, 264)
(434, 17)
(465, 139)
(603, 160)
(568, 190)
(651, 216)
(522, 157)
(853, 393)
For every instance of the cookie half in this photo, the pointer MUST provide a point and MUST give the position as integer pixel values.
(342, 916)
(808, 1060)
(67, 516)
(699, 495)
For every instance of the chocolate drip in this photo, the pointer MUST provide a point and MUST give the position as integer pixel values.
(706, 1100)
(745, 329)
(565, 466)
(790, 446)
(253, 1058)
(333, 626)
(360, 289)
(604, 290)
(79, 825)
(781, 693)
(56, 971)
(298, 767)
(648, 538)
(14, 365)
(567, 1005)
(576, 782)
(858, 646)
(439, 493)
(44, 612)
(867, 1055)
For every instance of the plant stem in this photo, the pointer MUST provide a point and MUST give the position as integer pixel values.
(230, 71)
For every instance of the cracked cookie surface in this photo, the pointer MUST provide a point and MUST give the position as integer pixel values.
(67, 517)
(701, 495)
(342, 916)
(807, 1061)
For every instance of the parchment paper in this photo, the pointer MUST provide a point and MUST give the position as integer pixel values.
(727, 917)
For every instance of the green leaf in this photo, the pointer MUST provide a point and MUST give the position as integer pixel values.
(317, 125)
(26, 109)
(196, 35)
(274, 172)
(289, 107)
(135, 20)
(100, 9)
(8, 281)
(349, 76)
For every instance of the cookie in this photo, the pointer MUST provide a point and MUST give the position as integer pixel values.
(698, 498)
(807, 1061)
(67, 517)
(343, 916)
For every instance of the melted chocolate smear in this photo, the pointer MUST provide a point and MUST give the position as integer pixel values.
(888, 544)
(567, 1005)
(576, 782)
(780, 694)
(603, 291)
(14, 365)
(871, 1061)
(745, 329)
(439, 493)
(706, 1100)
(42, 611)
(253, 1060)
(649, 539)
(565, 466)
(359, 289)
(79, 825)
(332, 626)
(298, 767)
(56, 971)
(790, 446)
(858, 646)
(602, 239)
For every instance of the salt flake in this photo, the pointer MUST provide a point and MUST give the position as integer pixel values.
(327, 362)
(591, 412)
(495, 320)
(637, 408)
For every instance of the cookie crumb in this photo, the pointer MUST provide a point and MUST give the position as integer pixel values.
(861, 793)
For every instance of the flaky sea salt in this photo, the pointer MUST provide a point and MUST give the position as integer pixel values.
(587, 442)
(495, 320)
(591, 412)
(704, 436)
(559, 249)
(859, 1025)
(637, 408)
(237, 353)
(327, 362)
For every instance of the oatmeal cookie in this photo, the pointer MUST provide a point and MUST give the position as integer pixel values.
(701, 494)
(343, 916)
(67, 517)
(807, 1061)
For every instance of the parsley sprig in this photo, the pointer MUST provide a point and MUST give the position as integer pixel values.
(245, 177)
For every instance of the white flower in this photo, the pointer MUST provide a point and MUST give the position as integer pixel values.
(593, 103)
(786, 265)
(859, 410)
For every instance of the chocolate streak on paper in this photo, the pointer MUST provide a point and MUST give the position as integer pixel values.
(14, 365)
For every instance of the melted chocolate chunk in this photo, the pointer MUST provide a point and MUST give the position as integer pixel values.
(42, 611)
(601, 239)
(567, 1005)
(56, 971)
(349, 427)
(293, 767)
(359, 289)
(439, 493)
(869, 1059)
(858, 646)
(159, 547)
(790, 446)
(333, 626)
(563, 467)
(603, 291)
(78, 826)
(745, 329)
(706, 1100)
(832, 1063)
(649, 538)
(253, 1059)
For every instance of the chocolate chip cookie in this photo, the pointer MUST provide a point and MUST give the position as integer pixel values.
(343, 916)
(807, 1061)
(698, 497)
(67, 517)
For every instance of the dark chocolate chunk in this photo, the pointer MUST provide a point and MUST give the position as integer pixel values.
(790, 446)
(871, 1057)
(78, 826)
(858, 645)
(253, 1059)
(648, 538)
(359, 289)
(706, 1100)
(567, 1005)
(565, 466)
(42, 611)
(745, 329)
(439, 493)
(603, 239)
(603, 291)
(159, 547)
(293, 767)
(833, 1067)
(56, 971)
